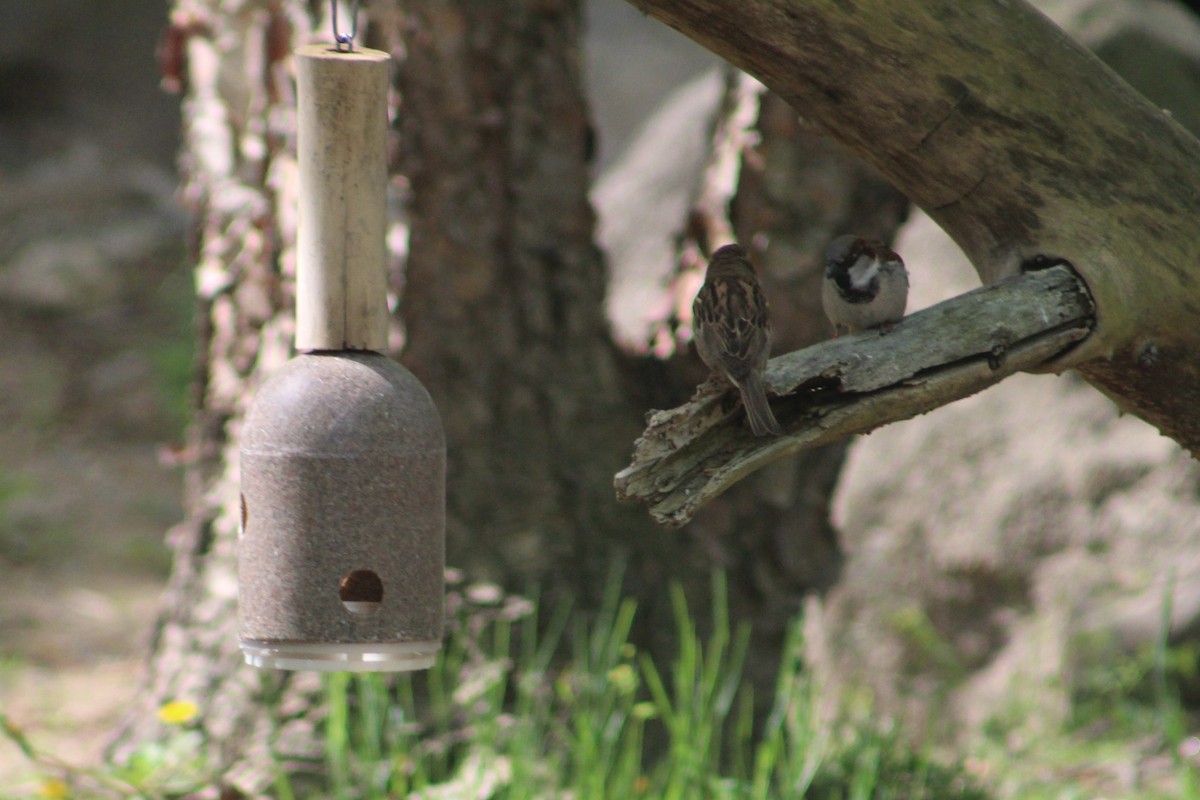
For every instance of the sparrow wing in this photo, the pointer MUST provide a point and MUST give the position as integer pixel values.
(735, 316)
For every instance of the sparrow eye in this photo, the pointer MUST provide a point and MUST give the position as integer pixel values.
(1042, 261)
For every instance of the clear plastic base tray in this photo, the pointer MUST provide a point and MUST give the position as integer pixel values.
(341, 657)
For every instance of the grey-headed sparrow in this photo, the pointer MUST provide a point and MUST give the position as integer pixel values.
(733, 331)
(866, 285)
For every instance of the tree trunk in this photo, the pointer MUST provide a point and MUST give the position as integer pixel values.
(504, 287)
(239, 182)
(504, 306)
(1018, 142)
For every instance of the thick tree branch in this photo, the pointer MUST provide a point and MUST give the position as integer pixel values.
(1018, 142)
(690, 454)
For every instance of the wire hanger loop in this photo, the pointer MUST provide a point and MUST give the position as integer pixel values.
(344, 41)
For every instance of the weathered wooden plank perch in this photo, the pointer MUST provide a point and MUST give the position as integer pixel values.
(690, 454)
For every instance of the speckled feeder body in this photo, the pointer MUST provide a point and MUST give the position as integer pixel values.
(342, 551)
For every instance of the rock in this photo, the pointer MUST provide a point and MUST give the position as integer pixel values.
(57, 275)
(1153, 44)
(989, 540)
(998, 547)
(632, 64)
(642, 204)
(70, 273)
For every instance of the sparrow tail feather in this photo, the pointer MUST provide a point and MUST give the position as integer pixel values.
(758, 411)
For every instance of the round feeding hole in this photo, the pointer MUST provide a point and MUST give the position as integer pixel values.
(361, 591)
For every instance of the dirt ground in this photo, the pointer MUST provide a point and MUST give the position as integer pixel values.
(82, 564)
(73, 653)
(78, 655)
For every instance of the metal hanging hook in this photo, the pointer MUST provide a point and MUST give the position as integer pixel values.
(344, 40)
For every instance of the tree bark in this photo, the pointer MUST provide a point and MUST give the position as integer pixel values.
(504, 287)
(1018, 142)
(239, 183)
(506, 326)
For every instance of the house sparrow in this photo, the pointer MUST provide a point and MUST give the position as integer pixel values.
(733, 331)
(866, 285)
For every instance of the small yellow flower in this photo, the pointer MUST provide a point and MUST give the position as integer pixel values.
(54, 789)
(645, 710)
(177, 712)
(641, 784)
(623, 678)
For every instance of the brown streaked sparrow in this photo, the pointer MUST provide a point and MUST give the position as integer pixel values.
(733, 331)
(866, 285)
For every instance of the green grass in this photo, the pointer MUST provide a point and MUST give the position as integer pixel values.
(1128, 733)
(171, 768)
(520, 706)
(525, 703)
(508, 715)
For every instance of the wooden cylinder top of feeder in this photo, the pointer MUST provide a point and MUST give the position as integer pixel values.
(341, 271)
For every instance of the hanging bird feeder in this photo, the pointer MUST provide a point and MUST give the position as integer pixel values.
(343, 458)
